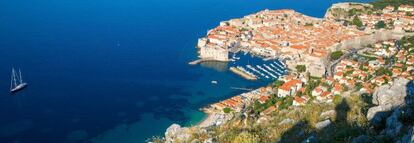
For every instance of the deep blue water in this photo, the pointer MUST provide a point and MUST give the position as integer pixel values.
(114, 70)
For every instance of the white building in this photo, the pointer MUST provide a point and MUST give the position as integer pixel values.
(406, 8)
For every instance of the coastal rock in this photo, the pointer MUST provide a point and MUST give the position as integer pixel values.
(176, 133)
(323, 124)
(286, 121)
(393, 125)
(327, 114)
(215, 119)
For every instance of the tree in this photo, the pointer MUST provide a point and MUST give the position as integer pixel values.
(356, 21)
(301, 68)
(380, 24)
(226, 110)
(336, 55)
(279, 83)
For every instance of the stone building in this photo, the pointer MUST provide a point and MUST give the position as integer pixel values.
(214, 53)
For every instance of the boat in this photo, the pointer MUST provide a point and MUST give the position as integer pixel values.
(214, 82)
(235, 58)
(16, 82)
(255, 70)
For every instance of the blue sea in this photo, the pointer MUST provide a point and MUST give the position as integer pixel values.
(114, 71)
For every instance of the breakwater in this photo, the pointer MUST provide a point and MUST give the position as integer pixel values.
(243, 73)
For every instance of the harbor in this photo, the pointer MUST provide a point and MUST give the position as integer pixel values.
(254, 68)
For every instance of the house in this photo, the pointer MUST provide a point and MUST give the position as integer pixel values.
(269, 110)
(388, 9)
(299, 101)
(317, 91)
(330, 80)
(338, 76)
(378, 80)
(324, 96)
(289, 88)
(410, 61)
(337, 89)
(406, 8)
(218, 106)
(263, 99)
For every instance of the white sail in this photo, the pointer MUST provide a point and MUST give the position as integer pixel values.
(14, 77)
(20, 77)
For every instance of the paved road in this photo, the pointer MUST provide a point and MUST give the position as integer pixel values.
(331, 67)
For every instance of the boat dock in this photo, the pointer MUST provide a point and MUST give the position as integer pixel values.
(243, 74)
(265, 71)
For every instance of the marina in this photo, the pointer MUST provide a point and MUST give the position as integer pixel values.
(251, 67)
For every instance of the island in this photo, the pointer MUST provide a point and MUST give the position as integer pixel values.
(349, 77)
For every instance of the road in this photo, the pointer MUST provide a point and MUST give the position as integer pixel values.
(331, 67)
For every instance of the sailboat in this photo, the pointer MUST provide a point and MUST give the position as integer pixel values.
(16, 82)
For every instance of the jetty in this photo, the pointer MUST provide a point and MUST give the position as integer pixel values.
(196, 62)
(243, 74)
(241, 88)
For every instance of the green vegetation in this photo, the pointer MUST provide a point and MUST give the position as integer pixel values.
(407, 43)
(285, 102)
(380, 24)
(226, 110)
(308, 24)
(311, 85)
(382, 71)
(301, 68)
(358, 86)
(409, 14)
(347, 123)
(244, 29)
(278, 83)
(354, 12)
(381, 4)
(336, 55)
(259, 107)
(356, 21)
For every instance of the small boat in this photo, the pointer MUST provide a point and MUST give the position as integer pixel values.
(16, 82)
(214, 82)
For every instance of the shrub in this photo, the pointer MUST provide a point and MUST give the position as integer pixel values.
(356, 21)
(380, 24)
(279, 83)
(301, 68)
(336, 55)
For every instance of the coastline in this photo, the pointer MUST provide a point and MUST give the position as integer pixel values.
(215, 114)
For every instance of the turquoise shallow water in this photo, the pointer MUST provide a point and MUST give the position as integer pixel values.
(114, 71)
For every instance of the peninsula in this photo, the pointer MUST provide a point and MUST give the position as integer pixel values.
(349, 77)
